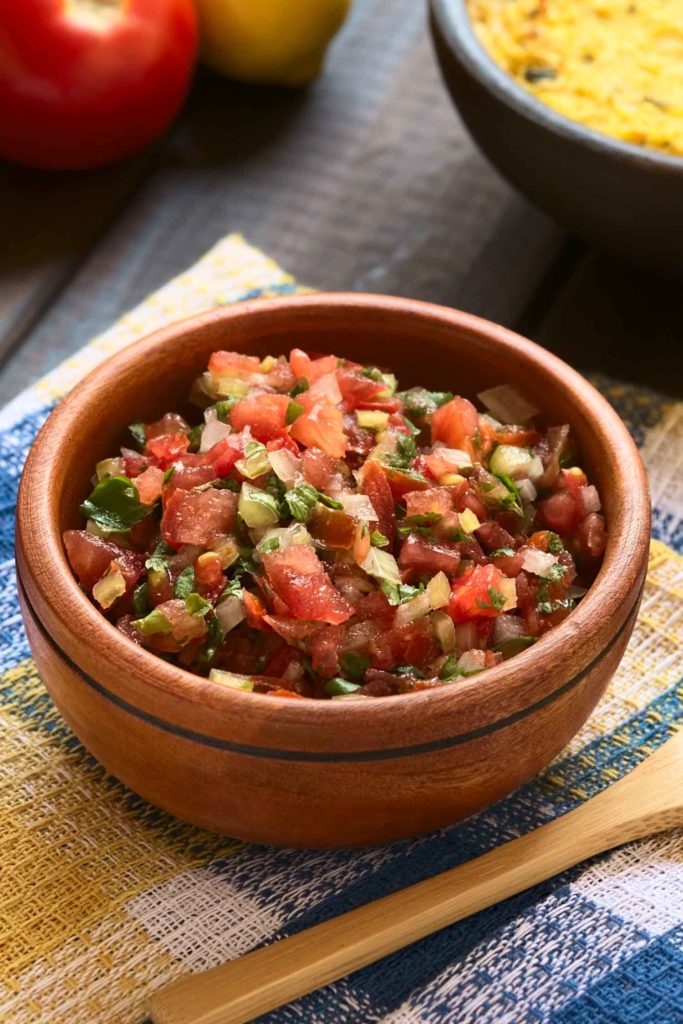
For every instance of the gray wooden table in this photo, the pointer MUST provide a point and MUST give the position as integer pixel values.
(365, 181)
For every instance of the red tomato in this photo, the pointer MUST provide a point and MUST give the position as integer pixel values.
(208, 571)
(224, 454)
(255, 610)
(435, 499)
(91, 558)
(318, 467)
(198, 517)
(233, 364)
(419, 554)
(558, 512)
(456, 423)
(471, 594)
(377, 488)
(357, 389)
(591, 535)
(149, 484)
(299, 579)
(265, 414)
(82, 84)
(312, 369)
(165, 450)
(322, 426)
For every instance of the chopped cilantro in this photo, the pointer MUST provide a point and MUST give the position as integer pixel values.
(233, 589)
(184, 585)
(450, 670)
(114, 505)
(326, 500)
(408, 672)
(300, 386)
(508, 552)
(301, 501)
(419, 403)
(546, 605)
(555, 544)
(224, 408)
(399, 593)
(197, 605)
(378, 540)
(496, 600)
(168, 474)
(421, 523)
(137, 430)
(214, 638)
(512, 501)
(156, 563)
(406, 451)
(140, 600)
(294, 410)
(339, 687)
(155, 622)
(195, 436)
(272, 544)
(372, 373)
(555, 573)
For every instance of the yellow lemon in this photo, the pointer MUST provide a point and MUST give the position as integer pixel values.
(281, 42)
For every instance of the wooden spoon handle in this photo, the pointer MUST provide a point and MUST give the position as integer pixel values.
(267, 978)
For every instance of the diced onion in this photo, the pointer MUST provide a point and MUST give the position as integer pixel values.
(230, 612)
(109, 467)
(536, 469)
(439, 590)
(214, 431)
(453, 456)
(326, 388)
(359, 506)
(412, 610)
(231, 679)
(527, 490)
(285, 536)
(468, 521)
(538, 562)
(588, 499)
(444, 631)
(109, 588)
(466, 636)
(507, 627)
(381, 565)
(472, 661)
(285, 465)
(507, 405)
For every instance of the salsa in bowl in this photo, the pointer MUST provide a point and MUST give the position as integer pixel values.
(323, 772)
(320, 533)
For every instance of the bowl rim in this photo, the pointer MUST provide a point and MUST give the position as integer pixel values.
(455, 24)
(623, 565)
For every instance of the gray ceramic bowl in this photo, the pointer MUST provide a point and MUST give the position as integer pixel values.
(625, 198)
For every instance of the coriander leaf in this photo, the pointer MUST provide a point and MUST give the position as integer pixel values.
(300, 386)
(194, 436)
(419, 403)
(555, 573)
(137, 429)
(399, 593)
(167, 475)
(270, 545)
(140, 600)
(421, 523)
(184, 585)
(450, 670)
(156, 563)
(301, 501)
(197, 605)
(115, 505)
(512, 502)
(378, 540)
(555, 544)
(214, 638)
(408, 672)
(339, 687)
(496, 600)
(406, 451)
(224, 408)
(502, 551)
(325, 499)
(233, 589)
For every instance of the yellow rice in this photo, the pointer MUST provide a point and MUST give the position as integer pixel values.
(614, 65)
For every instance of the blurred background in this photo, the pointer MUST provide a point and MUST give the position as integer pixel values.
(364, 179)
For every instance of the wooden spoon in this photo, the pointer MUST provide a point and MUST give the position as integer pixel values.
(648, 800)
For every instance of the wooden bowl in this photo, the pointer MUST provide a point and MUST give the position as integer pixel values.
(320, 773)
(626, 198)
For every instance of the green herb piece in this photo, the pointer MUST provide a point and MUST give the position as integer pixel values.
(300, 386)
(114, 505)
(372, 373)
(555, 545)
(156, 563)
(232, 589)
(496, 600)
(339, 687)
(140, 600)
(546, 605)
(508, 552)
(513, 646)
(408, 672)
(329, 502)
(197, 605)
(167, 475)
(399, 593)
(224, 408)
(270, 545)
(406, 451)
(555, 573)
(137, 430)
(194, 436)
(512, 502)
(378, 540)
(450, 670)
(184, 585)
(419, 403)
(421, 523)
(294, 410)
(155, 622)
(301, 501)
(353, 665)
(214, 638)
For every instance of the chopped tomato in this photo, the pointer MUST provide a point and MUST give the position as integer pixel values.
(402, 482)
(311, 369)
(265, 414)
(356, 388)
(433, 500)
(321, 426)
(428, 557)
(255, 610)
(208, 571)
(164, 450)
(149, 484)
(198, 517)
(299, 579)
(573, 480)
(233, 364)
(492, 536)
(476, 594)
(558, 512)
(170, 424)
(374, 483)
(456, 424)
(518, 437)
(318, 468)
(133, 462)
(591, 536)
(91, 558)
(186, 477)
(224, 454)
(332, 527)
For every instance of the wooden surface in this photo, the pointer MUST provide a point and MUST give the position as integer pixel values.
(648, 800)
(366, 181)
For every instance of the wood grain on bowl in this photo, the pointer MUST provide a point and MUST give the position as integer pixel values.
(315, 773)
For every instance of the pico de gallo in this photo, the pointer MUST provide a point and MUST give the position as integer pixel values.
(322, 534)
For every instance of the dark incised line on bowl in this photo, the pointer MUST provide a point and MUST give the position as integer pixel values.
(271, 753)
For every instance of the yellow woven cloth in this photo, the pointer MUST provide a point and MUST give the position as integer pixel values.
(103, 898)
